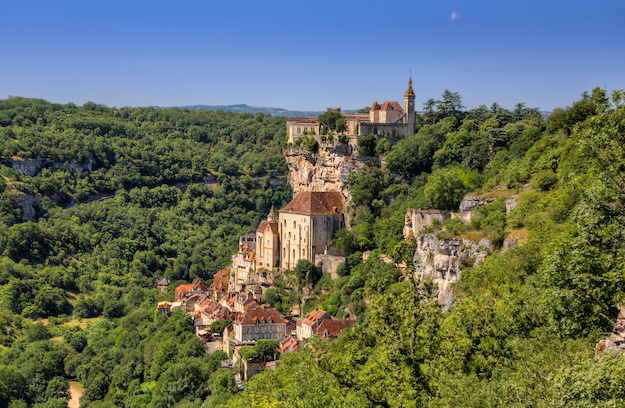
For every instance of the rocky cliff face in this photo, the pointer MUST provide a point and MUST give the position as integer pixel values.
(469, 203)
(417, 219)
(29, 205)
(32, 166)
(326, 170)
(440, 261)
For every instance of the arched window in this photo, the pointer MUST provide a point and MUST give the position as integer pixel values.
(294, 227)
(294, 254)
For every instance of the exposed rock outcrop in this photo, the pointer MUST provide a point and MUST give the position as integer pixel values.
(616, 342)
(32, 166)
(511, 203)
(29, 205)
(26, 166)
(469, 203)
(417, 219)
(326, 170)
(440, 261)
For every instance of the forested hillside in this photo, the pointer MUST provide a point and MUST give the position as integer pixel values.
(521, 333)
(525, 324)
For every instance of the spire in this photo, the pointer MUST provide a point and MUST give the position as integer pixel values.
(273, 216)
(409, 91)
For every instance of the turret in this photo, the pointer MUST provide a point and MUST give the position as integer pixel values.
(273, 216)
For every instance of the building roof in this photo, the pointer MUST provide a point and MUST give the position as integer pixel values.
(409, 91)
(183, 290)
(260, 315)
(388, 105)
(164, 282)
(315, 203)
(271, 224)
(332, 328)
(391, 106)
(315, 316)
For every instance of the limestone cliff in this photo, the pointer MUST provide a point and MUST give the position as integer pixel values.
(28, 204)
(470, 203)
(32, 166)
(440, 260)
(326, 170)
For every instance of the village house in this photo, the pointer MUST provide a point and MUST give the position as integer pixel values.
(184, 291)
(219, 288)
(243, 266)
(321, 324)
(262, 322)
(163, 284)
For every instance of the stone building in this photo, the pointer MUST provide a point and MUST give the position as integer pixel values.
(263, 322)
(390, 118)
(268, 243)
(302, 230)
(383, 119)
(321, 324)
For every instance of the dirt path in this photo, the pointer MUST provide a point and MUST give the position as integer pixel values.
(75, 391)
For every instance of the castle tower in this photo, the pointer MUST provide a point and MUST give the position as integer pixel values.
(409, 97)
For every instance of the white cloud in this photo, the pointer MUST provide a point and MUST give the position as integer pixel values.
(454, 16)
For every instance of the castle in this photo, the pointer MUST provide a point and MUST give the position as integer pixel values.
(385, 119)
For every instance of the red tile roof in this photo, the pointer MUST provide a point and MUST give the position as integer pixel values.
(391, 106)
(315, 203)
(332, 328)
(315, 316)
(260, 314)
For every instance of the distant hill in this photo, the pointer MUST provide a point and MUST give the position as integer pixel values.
(243, 108)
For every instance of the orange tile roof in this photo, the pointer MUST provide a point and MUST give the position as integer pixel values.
(315, 203)
(260, 314)
(332, 328)
(375, 106)
(315, 316)
(391, 106)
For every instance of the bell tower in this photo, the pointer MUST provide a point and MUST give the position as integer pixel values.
(409, 98)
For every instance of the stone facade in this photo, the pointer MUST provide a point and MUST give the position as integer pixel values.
(262, 322)
(303, 229)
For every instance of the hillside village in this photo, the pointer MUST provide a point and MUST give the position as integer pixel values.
(304, 230)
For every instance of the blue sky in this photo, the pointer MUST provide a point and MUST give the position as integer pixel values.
(305, 55)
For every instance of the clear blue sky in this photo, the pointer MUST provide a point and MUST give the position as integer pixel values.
(308, 55)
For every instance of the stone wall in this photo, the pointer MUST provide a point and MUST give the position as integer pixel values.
(385, 129)
(417, 219)
(330, 263)
(440, 261)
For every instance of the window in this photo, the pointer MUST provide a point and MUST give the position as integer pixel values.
(294, 227)
(293, 253)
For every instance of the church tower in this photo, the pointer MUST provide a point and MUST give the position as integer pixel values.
(409, 97)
